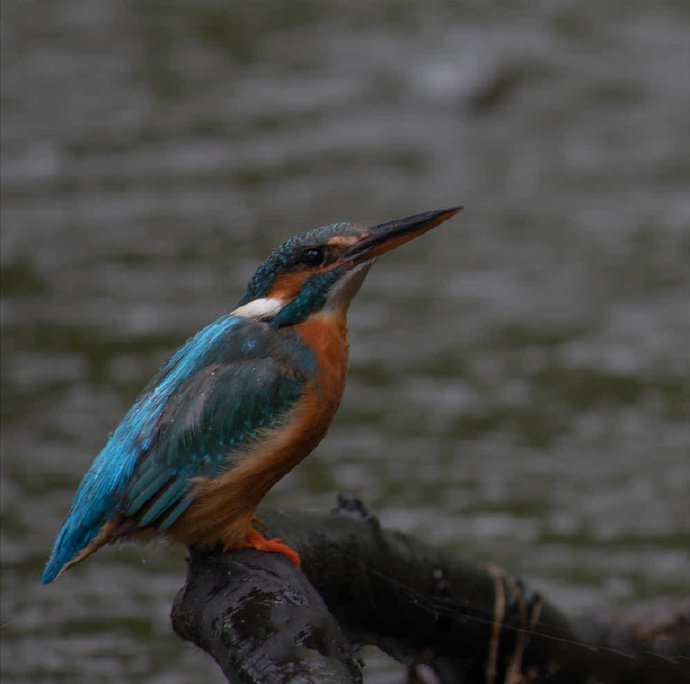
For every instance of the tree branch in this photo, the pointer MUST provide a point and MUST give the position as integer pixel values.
(263, 620)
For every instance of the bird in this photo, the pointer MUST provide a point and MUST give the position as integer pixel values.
(239, 405)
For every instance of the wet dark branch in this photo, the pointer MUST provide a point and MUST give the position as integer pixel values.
(262, 620)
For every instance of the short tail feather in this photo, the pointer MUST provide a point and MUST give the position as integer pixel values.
(73, 545)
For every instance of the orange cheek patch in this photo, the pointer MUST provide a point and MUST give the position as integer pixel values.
(287, 285)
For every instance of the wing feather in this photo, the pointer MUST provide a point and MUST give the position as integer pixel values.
(217, 391)
(203, 429)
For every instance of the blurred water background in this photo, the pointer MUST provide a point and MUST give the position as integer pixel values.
(518, 389)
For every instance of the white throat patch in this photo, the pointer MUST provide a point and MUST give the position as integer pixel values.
(346, 288)
(265, 307)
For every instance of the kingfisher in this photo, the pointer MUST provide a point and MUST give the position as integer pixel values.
(238, 406)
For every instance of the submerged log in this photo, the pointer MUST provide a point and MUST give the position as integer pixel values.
(265, 621)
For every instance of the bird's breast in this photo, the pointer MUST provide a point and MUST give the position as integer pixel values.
(327, 338)
(224, 506)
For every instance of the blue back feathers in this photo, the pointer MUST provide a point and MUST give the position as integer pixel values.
(230, 380)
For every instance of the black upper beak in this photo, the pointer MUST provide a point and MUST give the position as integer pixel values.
(386, 236)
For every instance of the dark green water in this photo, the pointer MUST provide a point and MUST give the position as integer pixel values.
(518, 389)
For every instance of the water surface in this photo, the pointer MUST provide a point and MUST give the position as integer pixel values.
(518, 390)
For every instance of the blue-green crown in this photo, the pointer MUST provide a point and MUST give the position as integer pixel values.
(285, 259)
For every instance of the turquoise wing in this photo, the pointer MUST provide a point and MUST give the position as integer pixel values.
(230, 380)
(219, 409)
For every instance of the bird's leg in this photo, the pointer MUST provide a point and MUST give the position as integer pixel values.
(256, 540)
(258, 524)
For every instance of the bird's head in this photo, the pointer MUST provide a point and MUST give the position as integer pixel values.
(321, 270)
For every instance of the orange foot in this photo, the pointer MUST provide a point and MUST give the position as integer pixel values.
(256, 540)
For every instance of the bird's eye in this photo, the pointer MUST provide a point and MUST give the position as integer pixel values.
(311, 257)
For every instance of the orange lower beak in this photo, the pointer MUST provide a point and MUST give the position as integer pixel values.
(382, 238)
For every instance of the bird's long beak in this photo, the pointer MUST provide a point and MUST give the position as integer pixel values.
(380, 239)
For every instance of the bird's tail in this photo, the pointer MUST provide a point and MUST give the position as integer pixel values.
(68, 546)
(75, 543)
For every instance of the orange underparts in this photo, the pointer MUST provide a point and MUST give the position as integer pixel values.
(256, 540)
